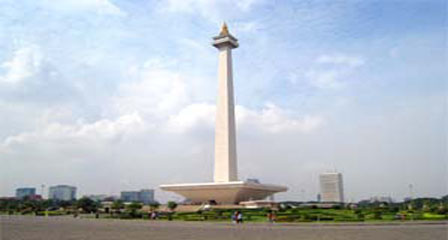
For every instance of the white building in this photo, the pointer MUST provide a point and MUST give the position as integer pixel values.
(62, 192)
(331, 187)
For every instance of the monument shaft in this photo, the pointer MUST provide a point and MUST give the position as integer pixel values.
(225, 139)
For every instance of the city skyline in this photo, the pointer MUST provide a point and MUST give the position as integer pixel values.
(111, 95)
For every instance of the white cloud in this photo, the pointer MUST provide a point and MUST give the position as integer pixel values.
(332, 71)
(192, 116)
(324, 79)
(270, 119)
(155, 90)
(164, 97)
(99, 131)
(273, 119)
(350, 61)
(245, 5)
(103, 7)
(245, 27)
(25, 63)
(213, 10)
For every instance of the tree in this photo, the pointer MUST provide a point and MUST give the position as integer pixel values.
(9, 205)
(154, 206)
(65, 204)
(444, 199)
(12, 206)
(32, 206)
(441, 209)
(172, 205)
(133, 207)
(47, 203)
(360, 216)
(117, 205)
(87, 205)
(377, 214)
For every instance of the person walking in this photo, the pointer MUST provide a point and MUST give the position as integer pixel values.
(270, 216)
(239, 217)
(153, 215)
(234, 217)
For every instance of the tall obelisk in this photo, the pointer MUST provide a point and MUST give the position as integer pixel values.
(226, 188)
(225, 139)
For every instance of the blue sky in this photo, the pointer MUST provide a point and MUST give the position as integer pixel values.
(110, 95)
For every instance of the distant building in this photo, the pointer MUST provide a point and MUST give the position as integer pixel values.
(381, 199)
(130, 196)
(331, 187)
(36, 197)
(145, 196)
(99, 197)
(62, 192)
(25, 192)
(111, 198)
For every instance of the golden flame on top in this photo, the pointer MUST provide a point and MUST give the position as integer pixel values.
(224, 30)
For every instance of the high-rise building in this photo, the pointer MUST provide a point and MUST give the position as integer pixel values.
(145, 196)
(331, 187)
(62, 192)
(25, 192)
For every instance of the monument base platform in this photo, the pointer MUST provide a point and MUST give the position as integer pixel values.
(223, 192)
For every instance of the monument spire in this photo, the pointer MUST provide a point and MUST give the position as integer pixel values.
(225, 139)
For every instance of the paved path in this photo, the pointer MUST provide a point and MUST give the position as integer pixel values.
(64, 228)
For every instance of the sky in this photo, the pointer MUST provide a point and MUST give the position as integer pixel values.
(113, 95)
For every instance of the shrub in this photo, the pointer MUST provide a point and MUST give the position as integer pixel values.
(377, 215)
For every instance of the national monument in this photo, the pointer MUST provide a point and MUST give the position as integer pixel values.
(226, 188)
